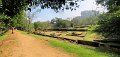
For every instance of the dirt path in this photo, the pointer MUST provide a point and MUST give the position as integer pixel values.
(20, 45)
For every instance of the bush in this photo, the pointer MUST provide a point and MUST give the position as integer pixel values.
(109, 25)
(4, 23)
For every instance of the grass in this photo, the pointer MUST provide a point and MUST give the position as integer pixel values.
(2, 37)
(90, 36)
(63, 34)
(80, 51)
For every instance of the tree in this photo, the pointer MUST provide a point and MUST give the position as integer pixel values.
(111, 5)
(76, 21)
(59, 23)
(21, 22)
(4, 23)
(41, 25)
(109, 26)
(109, 22)
(90, 20)
(12, 8)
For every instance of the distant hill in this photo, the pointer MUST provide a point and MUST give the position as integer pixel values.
(87, 18)
(88, 13)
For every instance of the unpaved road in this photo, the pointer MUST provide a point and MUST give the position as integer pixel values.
(20, 45)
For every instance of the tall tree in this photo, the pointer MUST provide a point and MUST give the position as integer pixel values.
(12, 8)
(109, 22)
(111, 5)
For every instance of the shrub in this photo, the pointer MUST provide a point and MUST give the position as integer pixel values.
(110, 25)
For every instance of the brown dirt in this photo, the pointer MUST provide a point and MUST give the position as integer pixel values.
(20, 45)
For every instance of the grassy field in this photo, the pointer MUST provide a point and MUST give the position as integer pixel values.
(79, 50)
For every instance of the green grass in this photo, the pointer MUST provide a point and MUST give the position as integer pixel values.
(91, 36)
(2, 37)
(79, 50)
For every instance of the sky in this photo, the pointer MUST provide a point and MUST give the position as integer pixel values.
(48, 14)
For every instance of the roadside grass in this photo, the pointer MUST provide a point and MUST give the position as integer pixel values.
(2, 37)
(79, 50)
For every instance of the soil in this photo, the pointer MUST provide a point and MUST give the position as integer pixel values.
(20, 45)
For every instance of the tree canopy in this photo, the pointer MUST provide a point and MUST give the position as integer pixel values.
(109, 22)
(111, 5)
(13, 7)
(59, 23)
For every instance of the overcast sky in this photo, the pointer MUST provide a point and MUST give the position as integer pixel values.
(48, 14)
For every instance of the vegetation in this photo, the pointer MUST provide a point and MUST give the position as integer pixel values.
(91, 36)
(42, 25)
(59, 23)
(88, 17)
(13, 15)
(2, 37)
(111, 5)
(14, 9)
(80, 51)
(109, 26)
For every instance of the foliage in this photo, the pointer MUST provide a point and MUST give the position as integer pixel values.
(91, 20)
(57, 4)
(3, 37)
(21, 22)
(41, 25)
(112, 5)
(4, 23)
(4, 20)
(76, 21)
(11, 13)
(109, 22)
(109, 26)
(13, 9)
(59, 23)
(91, 36)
